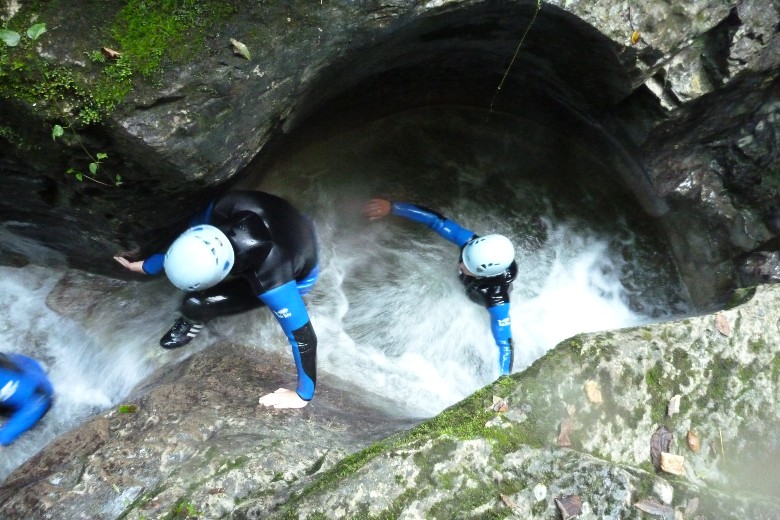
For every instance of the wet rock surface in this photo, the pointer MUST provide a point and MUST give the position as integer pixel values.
(195, 432)
(669, 419)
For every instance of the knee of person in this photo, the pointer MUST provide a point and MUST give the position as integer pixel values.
(193, 308)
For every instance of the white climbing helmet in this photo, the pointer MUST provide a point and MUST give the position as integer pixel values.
(489, 255)
(200, 258)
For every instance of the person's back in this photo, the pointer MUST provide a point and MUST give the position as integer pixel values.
(25, 395)
(273, 241)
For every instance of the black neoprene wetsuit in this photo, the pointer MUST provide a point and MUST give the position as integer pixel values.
(276, 263)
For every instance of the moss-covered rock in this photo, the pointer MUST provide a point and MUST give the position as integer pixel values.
(577, 426)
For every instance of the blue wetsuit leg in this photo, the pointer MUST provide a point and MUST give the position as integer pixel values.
(305, 285)
(287, 305)
(501, 327)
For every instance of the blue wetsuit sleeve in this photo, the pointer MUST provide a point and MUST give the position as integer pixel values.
(154, 264)
(501, 327)
(287, 305)
(24, 418)
(440, 224)
(34, 371)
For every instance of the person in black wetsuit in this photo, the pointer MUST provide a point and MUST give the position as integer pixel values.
(487, 267)
(269, 249)
(25, 395)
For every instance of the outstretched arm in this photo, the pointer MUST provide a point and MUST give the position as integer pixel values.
(152, 265)
(287, 305)
(501, 327)
(378, 208)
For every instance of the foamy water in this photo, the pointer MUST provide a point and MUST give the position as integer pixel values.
(389, 311)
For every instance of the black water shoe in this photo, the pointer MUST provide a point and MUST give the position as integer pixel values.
(181, 333)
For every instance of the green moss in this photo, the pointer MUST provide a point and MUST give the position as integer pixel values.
(757, 345)
(147, 34)
(659, 393)
(316, 466)
(175, 30)
(720, 372)
(740, 296)
(681, 360)
(776, 369)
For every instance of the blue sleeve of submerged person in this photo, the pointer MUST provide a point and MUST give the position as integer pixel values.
(24, 418)
(501, 327)
(287, 305)
(439, 223)
(34, 371)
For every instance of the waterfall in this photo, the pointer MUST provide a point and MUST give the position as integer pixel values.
(388, 309)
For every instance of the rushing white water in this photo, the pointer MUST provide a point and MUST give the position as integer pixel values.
(389, 312)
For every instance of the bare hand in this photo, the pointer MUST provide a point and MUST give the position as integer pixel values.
(283, 398)
(377, 208)
(136, 267)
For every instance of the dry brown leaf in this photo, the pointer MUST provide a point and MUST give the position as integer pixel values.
(654, 507)
(567, 427)
(691, 506)
(593, 392)
(674, 464)
(508, 501)
(660, 442)
(569, 506)
(110, 54)
(722, 324)
(674, 405)
(693, 442)
(499, 404)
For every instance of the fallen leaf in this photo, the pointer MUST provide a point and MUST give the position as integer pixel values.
(722, 324)
(240, 49)
(674, 464)
(674, 405)
(654, 507)
(635, 36)
(565, 432)
(508, 501)
(499, 404)
(593, 392)
(693, 442)
(691, 506)
(659, 443)
(110, 54)
(569, 506)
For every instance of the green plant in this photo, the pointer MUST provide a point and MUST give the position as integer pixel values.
(184, 509)
(94, 165)
(12, 38)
